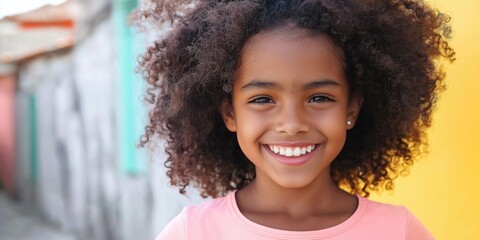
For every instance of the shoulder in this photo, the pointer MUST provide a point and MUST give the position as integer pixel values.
(213, 208)
(393, 218)
(383, 211)
(196, 218)
(175, 229)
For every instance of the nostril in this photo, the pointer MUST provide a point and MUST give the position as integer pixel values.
(295, 128)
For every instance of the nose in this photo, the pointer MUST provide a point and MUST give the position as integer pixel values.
(292, 120)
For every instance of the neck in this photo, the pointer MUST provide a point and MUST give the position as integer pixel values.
(319, 196)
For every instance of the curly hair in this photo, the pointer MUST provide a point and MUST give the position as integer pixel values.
(391, 51)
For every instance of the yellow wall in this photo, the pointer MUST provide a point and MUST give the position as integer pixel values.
(443, 189)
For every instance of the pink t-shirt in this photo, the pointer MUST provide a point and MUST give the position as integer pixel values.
(221, 219)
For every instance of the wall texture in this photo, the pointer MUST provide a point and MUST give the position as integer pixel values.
(68, 156)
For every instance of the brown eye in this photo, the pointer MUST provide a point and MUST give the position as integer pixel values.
(320, 99)
(261, 100)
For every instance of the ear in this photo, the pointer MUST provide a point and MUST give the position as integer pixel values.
(353, 110)
(226, 110)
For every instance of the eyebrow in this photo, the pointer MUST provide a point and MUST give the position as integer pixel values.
(271, 85)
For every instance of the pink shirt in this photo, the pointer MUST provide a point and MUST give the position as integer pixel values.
(221, 219)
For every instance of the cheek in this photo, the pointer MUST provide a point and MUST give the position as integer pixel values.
(249, 136)
(332, 123)
(250, 126)
(249, 132)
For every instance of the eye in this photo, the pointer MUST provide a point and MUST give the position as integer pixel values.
(261, 100)
(320, 99)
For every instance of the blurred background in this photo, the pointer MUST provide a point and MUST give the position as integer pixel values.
(72, 111)
(71, 114)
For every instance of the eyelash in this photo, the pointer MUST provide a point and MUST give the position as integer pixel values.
(261, 100)
(324, 99)
(266, 100)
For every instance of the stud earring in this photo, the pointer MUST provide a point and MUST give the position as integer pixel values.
(349, 122)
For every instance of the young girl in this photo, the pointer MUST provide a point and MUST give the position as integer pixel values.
(290, 112)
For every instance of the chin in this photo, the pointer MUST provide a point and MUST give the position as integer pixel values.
(293, 183)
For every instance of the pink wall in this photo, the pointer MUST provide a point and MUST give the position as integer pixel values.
(7, 134)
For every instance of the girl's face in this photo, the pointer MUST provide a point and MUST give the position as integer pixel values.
(290, 106)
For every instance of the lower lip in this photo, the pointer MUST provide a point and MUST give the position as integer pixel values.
(292, 161)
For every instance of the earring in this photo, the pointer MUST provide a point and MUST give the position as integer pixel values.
(349, 122)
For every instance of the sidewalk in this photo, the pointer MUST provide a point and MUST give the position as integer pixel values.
(19, 224)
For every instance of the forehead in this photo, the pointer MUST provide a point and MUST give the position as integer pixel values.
(290, 32)
(290, 54)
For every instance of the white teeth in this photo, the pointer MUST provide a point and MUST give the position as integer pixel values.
(276, 149)
(288, 152)
(291, 151)
(297, 152)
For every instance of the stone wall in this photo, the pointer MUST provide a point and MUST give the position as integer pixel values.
(73, 174)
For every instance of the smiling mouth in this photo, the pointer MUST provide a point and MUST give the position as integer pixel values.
(292, 155)
(291, 151)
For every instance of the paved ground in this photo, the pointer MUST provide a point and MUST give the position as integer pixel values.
(19, 223)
